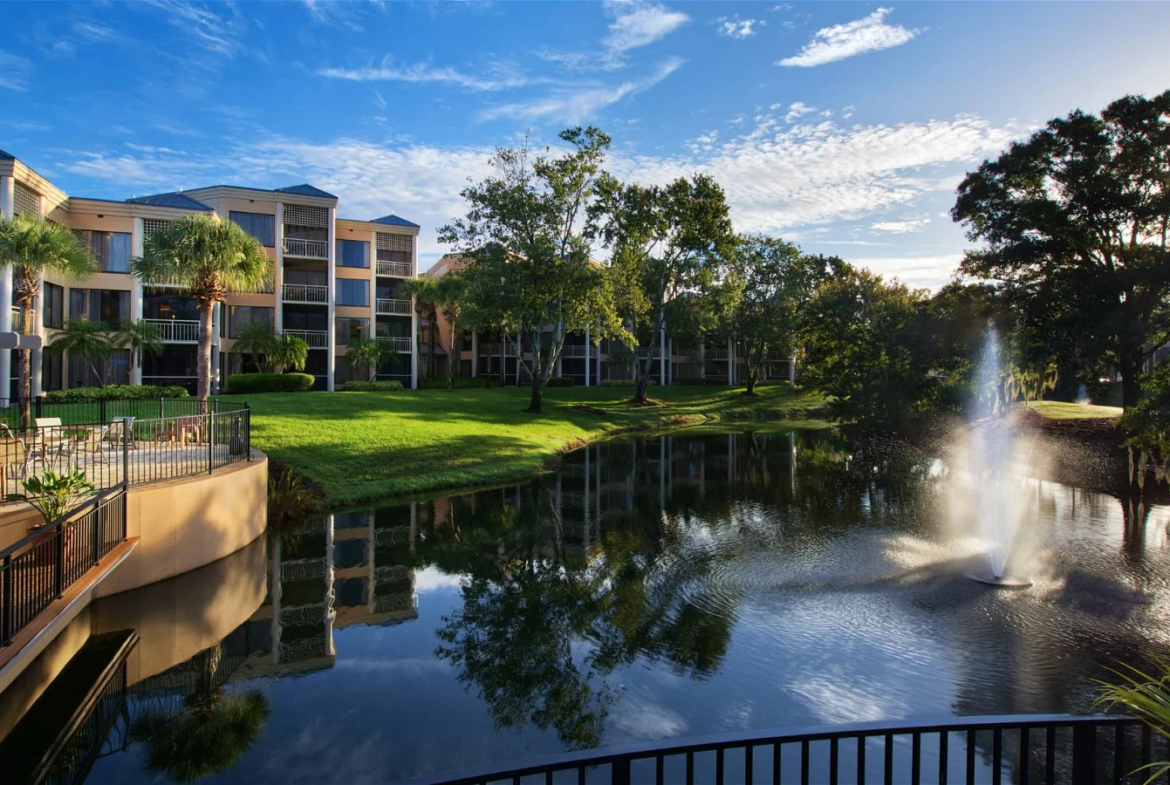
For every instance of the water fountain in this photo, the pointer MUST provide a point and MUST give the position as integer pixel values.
(998, 503)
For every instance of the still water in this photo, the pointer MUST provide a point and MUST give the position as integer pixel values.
(649, 588)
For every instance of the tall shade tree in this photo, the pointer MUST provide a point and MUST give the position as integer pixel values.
(526, 234)
(31, 247)
(365, 353)
(666, 241)
(422, 292)
(1075, 225)
(139, 337)
(450, 294)
(88, 340)
(209, 258)
(772, 282)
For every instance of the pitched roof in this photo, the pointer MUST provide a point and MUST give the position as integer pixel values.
(6, 156)
(178, 200)
(394, 220)
(304, 189)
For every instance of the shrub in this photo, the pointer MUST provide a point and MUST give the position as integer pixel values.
(563, 381)
(115, 392)
(464, 383)
(622, 383)
(384, 386)
(691, 381)
(243, 383)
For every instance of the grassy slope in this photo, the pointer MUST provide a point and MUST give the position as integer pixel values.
(359, 446)
(1058, 410)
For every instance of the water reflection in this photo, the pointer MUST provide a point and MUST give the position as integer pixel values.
(660, 587)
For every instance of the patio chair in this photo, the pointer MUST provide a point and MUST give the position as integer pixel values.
(190, 426)
(51, 440)
(15, 459)
(93, 441)
(122, 430)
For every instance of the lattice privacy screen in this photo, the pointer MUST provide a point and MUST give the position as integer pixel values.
(152, 225)
(309, 217)
(395, 242)
(25, 201)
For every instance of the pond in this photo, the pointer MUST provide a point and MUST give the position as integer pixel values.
(650, 588)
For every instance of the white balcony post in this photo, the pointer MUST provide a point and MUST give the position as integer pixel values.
(7, 202)
(278, 276)
(587, 384)
(792, 370)
(662, 356)
(331, 348)
(413, 318)
(138, 244)
(730, 363)
(36, 364)
(474, 354)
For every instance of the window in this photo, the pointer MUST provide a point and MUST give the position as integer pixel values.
(297, 277)
(110, 250)
(353, 253)
(314, 319)
(114, 369)
(392, 328)
(349, 329)
(54, 305)
(259, 225)
(169, 304)
(51, 374)
(353, 292)
(108, 306)
(240, 316)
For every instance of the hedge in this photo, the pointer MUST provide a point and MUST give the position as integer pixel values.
(115, 392)
(384, 386)
(243, 383)
(622, 383)
(563, 381)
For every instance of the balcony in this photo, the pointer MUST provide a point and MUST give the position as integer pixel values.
(642, 352)
(316, 339)
(576, 351)
(306, 249)
(493, 350)
(400, 345)
(176, 330)
(393, 308)
(394, 269)
(305, 293)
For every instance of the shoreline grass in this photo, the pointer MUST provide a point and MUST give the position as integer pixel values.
(1062, 410)
(364, 446)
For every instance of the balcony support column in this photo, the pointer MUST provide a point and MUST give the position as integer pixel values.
(331, 348)
(662, 356)
(7, 204)
(474, 354)
(138, 244)
(413, 319)
(278, 273)
(36, 362)
(730, 363)
(587, 384)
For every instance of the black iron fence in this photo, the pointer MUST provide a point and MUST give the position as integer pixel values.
(40, 568)
(1024, 749)
(103, 412)
(127, 448)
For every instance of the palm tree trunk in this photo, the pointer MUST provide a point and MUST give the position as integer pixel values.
(25, 364)
(203, 391)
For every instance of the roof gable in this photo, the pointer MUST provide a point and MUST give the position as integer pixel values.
(177, 200)
(304, 189)
(394, 220)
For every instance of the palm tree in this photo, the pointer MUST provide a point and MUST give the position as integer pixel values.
(139, 337)
(86, 339)
(209, 258)
(367, 353)
(289, 353)
(32, 247)
(422, 291)
(258, 341)
(449, 293)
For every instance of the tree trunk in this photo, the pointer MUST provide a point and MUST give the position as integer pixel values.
(752, 376)
(203, 390)
(24, 365)
(641, 379)
(1131, 391)
(534, 400)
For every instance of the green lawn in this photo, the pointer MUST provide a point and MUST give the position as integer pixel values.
(1059, 410)
(358, 446)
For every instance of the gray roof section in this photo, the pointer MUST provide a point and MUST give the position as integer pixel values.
(177, 200)
(304, 189)
(394, 220)
(6, 156)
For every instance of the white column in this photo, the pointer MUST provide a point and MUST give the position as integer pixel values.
(413, 318)
(331, 249)
(7, 201)
(35, 362)
(662, 356)
(137, 242)
(792, 370)
(587, 384)
(278, 278)
(730, 363)
(474, 354)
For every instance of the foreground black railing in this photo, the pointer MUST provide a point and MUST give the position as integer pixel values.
(103, 412)
(40, 568)
(1024, 749)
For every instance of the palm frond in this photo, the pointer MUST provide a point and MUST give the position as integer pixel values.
(1145, 696)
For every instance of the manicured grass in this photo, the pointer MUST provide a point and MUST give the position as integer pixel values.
(366, 445)
(1059, 410)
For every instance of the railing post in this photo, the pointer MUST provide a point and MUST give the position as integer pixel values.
(620, 771)
(160, 408)
(127, 434)
(102, 411)
(59, 578)
(1084, 762)
(248, 430)
(97, 532)
(210, 443)
(7, 604)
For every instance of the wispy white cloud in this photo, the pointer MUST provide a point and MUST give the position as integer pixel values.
(796, 110)
(388, 71)
(15, 71)
(222, 35)
(739, 28)
(900, 227)
(868, 34)
(578, 103)
(633, 24)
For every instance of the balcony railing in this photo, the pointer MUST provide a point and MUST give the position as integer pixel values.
(394, 269)
(316, 339)
(493, 350)
(576, 351)
(394, 308)
(176, 330)
(642, 352)
(400, 345)
(306, 249)
(305, 293)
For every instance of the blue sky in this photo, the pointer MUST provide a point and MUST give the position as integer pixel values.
(842, 126)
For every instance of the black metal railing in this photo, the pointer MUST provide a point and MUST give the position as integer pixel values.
(40, 568)
(129, 449)
(103, 412)
(1024, 749)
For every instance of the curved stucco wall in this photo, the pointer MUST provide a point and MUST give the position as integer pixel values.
(185, 524)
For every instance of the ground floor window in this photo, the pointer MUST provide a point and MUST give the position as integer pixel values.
(114, 369)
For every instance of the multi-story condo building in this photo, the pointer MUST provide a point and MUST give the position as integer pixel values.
(336, 279)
